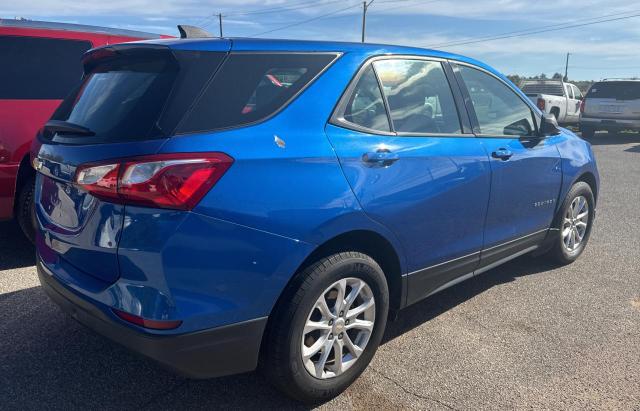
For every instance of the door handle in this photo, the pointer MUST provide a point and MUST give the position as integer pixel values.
(382, 157)
(502, 153)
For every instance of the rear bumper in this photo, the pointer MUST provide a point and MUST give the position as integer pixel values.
(225, 350)
(609, 123)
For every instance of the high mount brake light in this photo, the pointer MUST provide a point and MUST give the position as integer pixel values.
(175, 181)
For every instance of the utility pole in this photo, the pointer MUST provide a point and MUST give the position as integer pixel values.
(566, 68)
(220, 21)
(365, 6)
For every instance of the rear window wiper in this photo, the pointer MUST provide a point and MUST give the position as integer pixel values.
(65, 127)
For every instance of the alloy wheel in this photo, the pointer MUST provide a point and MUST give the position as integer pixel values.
(338, 328)
(575, 224)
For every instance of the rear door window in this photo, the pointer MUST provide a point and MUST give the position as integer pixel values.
(619, 90)
(250, 87)
(36, 68)
(419, 97)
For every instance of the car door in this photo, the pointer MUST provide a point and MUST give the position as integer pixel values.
(577, 100)
(415, 166)
(525, 168)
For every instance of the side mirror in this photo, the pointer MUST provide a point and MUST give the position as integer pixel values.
(549, 126)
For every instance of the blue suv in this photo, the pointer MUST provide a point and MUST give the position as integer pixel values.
(222, 205)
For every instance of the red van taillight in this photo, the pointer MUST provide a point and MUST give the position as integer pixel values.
(582, 104)
(541, 104)
(176, 181)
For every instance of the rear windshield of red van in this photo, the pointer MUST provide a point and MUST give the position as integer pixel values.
(37, 68)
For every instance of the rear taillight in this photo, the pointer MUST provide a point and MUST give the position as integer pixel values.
(582, 104)
(176, 181)
(541, 104)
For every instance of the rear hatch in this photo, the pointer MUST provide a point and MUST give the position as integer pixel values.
(613, 100)
(130, 100)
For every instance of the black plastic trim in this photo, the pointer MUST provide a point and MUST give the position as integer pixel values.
(425, 282)
(216, 352)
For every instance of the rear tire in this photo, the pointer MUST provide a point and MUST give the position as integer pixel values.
(572, 227)
(292, 335)
(587, 132)
(25, 211)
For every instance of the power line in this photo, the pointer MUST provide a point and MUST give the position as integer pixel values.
(298, 23)
(536, 28)
(291, 7)
(530, 32)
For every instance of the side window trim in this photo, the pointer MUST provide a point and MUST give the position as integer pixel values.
(384, 99)
(337, 116)
(459, 98)
(469, 105)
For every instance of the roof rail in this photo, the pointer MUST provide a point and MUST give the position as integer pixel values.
(192, 32)
(620, 78)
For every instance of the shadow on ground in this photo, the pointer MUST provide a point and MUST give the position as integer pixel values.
(604, 138)
(47, 358)
(15, 250)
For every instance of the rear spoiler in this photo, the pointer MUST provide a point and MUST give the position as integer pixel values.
(101, 54)
(193, 32)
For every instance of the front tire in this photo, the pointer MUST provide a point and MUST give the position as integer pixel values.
(327, 327)
(573, 224)
(25, 211)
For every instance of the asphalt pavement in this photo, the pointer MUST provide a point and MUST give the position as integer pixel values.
(525, 335)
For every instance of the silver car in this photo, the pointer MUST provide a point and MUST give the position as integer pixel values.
(611, 105)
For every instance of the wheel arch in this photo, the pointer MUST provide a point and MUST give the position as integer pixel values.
(589, 178)
(25, 172)
(367, 242)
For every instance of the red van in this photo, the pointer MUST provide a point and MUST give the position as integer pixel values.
(40, 66)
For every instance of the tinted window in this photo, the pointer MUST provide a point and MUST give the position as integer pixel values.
(620, 90)
(250, 87)
(365, 107)
(419, 97)
(500, 111)
(39, 68)
(121, 100)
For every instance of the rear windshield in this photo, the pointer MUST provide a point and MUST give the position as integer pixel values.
(156, 93)
(619, 90)
(122, 100)
(35, 68)
(553, 89)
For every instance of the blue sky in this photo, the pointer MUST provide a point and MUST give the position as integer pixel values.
(607, 49)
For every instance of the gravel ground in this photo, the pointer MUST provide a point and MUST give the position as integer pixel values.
(524, 335)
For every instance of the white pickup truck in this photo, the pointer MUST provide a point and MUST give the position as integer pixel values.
(555, 97)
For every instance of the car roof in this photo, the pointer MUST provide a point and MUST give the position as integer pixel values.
(80, 28)
(367, 49)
